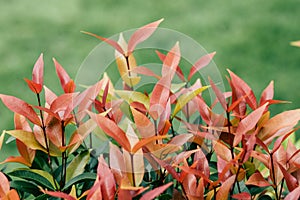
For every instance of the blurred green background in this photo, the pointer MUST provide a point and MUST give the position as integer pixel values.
(251, 38)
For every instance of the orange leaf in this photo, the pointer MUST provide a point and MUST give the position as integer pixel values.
(144, 142)
(202, 62)
(111, 129)
(278, 125)
(59, 195)
(225, 188)
(258, 180)
(222, 151)
(4, 185)
(21, 107)
(242, 196)
(12, 195)
(34, 87)
(142, 34)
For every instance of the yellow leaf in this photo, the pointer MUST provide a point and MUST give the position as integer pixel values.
(134, 96)
(185, 98)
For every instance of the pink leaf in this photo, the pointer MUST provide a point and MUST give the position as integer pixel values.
(142, 34)
(171, 61)
(178, 70)
(295, 194)
(267, 94)
(21, 107)
(160, 96)
(112, 43)
(155, 192)
(4, 185)
(145, 71)
(202, 62)
(108, 185)
(38, 71)
(219, 94)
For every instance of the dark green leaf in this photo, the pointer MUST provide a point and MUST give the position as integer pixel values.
(26, 186)
(34, 176)
(77, 165)
(85, 177)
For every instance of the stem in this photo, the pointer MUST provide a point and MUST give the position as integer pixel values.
(229, 132)
(46, 141)
(281, 188)
(129, 73)
(156, 131)
(273, 175)
(64, 157)
(215, 193)
(132, 170)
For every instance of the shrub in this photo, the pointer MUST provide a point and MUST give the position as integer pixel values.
(239, 153)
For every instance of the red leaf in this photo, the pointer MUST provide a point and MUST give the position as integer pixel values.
(248, 123)
(178, 70)
(171, 61)
(145, 71)
(34, 87)
(267, 94)
(38, 71)
(219, 94)
(21, 107)
(295, 194)
(225, 188)
(155, 192)
(108, 186)
(142, 34)
(202, 62)
(113, 43)
(291, 181)
(222, 151)
(160, 96)
(258, 180)
(242, 196)
(59, 195)
(63, 77)
(243, 87)
(112, 129)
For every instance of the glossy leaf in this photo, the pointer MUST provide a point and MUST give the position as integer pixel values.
(279, 124)
(202, 62)
(142, 34)
(295, 194)
(242, 196)
(40, 177)
(83, 177)
(60, 195)
(64, 78)
(291, 181)
(144, 125)
(21, 107)
(224, 190)
(4, 185)
(248, 123)
(133, 96)
(220, 96)
(267, 94)
(222, 151)
(113, 43)
(171, 61)
(186, 97)
(77, 165)
(111, 129)
(155, 192)
(258, 180)
(244, 88)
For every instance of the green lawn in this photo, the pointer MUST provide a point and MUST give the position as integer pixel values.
(251, 38)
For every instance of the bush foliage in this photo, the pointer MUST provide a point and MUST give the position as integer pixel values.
(167, 143)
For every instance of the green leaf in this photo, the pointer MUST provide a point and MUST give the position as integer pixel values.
(26, 186)
(40, 177)
(186, 97)
(27, 138)
(84, 177)
(134, 96)
(77, 165)
(125, 108)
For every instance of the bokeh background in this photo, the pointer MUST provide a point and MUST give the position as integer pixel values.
(252, 38)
